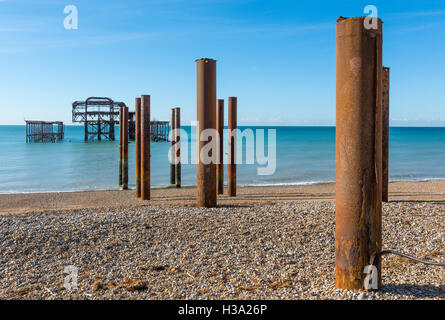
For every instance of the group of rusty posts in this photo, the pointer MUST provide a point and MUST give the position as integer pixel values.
(210, 176)
(362, 132)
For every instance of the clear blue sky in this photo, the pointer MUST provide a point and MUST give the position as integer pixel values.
(278, 57)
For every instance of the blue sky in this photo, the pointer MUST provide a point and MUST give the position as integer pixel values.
(278, 57)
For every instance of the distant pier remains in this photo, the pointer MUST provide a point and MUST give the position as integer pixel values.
(44, 131)
(100, 115)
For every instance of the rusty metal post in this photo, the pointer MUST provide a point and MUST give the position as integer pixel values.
(121, 115)
(206, 97)
(385, 134)
(145, 147)
(178, 147)
(137, 138)
(125, 151)
(220, 147)
(232, 126)
(358, 234)
(172, 149)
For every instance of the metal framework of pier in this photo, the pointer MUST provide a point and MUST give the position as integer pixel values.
(101, 114)
(44, 131)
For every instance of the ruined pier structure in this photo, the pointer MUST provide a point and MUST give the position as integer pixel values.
(100, 115)
(44, 131)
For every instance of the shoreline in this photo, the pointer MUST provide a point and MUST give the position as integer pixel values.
(431, 190)
(284, 184)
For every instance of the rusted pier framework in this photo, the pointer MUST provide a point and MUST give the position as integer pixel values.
(44, 131)
(358, 234)
(99, 116)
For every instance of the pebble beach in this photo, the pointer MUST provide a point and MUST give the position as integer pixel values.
(268, 243)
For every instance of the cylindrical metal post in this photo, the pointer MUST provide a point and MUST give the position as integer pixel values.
(232, 128)
(145, 147)
(358, 234)
(125, 148)
(178, 147)
(220, 147)
(172, 149)
(206, 97)
(138, 146)
(385, 134)
(121, 138)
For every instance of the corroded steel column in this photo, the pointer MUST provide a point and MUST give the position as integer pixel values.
(385, 134)
(232, 126)
(121, 121)
(206, 97)
(137, 131)
(145, 147)
(125, 151)
(358, 234)
(172, 149)
(178, 147)
(220, 147)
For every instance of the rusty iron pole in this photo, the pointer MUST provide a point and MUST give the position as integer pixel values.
(178, 147)
(358, 234)
(220, 147)
(145, 147)
(137, 131)
(385, 134)
(232, 126)
(121, 115)
(172, 149)
(125, 151)
(206, 97)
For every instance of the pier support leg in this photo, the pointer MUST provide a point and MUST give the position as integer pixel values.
(231, 180)
(178, 147)
(206, 97)
(358, 234)
(137, 138)
(145, 147)
(385, 134)
(220, 147)
(125, 149)
(121, 143)
(172, 149)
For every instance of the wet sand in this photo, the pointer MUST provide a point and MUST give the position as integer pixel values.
(38, 202)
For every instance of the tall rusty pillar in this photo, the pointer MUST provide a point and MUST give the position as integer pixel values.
(121, 138)
(125, 150)
(385, 134)
(220, 147)
(206, 97)
(145, 147)
(178, 147)
(172, 149)
(358, 234)
(137, 132)
(232, 126)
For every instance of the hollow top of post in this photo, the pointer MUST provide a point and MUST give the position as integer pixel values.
(386, 68)
(206, 60)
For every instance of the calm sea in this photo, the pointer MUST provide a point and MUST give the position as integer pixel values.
(304, 155)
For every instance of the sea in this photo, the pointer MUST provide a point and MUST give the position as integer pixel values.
(282, 156)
